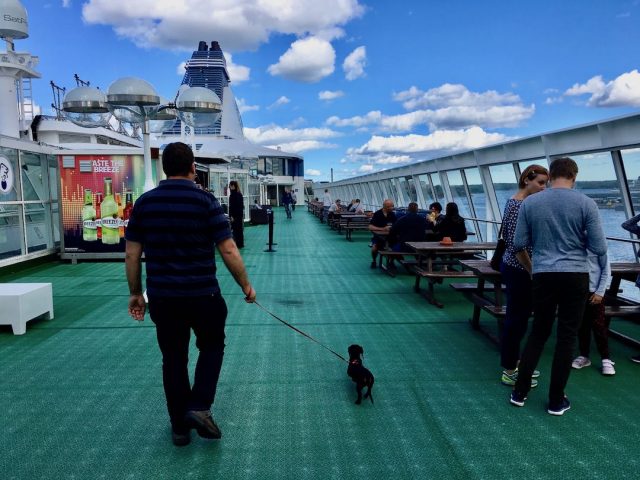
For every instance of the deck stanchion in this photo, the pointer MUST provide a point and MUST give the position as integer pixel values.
(270, 217)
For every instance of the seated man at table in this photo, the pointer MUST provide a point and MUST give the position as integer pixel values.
(409, 228)
(335, 207)
(380, 225)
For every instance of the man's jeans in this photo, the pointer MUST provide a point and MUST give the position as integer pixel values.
(174, 318)
(567, 292)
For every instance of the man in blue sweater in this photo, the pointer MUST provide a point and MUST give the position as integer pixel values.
(561, 225)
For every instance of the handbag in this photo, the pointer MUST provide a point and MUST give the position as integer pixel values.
(501, 246)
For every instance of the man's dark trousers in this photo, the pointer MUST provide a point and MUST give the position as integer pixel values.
(174, 318)
(567, 292)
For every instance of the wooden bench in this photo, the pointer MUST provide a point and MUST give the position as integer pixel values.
(434, 277)
(355, 225)
(408, 264)
(21, 302)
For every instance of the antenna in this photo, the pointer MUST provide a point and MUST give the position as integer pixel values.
(58, 94)
(80, 82)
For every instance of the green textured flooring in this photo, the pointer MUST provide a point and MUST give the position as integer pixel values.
(81, 396)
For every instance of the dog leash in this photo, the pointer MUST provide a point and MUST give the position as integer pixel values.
(302, 333)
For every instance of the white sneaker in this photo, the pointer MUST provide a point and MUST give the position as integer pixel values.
(607, 367)
(581, 362)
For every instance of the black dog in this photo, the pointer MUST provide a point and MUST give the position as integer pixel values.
(360, 375)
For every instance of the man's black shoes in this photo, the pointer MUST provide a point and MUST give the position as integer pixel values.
(181, 439)
(204, 424)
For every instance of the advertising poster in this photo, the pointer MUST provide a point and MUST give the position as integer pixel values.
(97, 195)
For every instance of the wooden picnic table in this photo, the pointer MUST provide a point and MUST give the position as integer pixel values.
(482, 299)
(449, 255)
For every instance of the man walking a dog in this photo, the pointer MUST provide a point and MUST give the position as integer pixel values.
(177, 225)
(561, 225)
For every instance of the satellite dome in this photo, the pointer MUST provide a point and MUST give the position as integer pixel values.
(13, 20)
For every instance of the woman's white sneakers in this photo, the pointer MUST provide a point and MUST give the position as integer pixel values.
(607, 365)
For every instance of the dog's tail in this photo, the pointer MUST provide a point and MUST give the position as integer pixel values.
(369, 394)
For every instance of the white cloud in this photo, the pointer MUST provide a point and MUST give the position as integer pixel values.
(181, 68)
(275, 135)
(312, 172)
(454, 107)
(623, 91)
(238, 73)
(303, 145)
(66, 3)
(438, 141)
(553, 100)
(279, 102)
(329, 95)
(445, 118)
(237, 25)
(243, 107)
(452, 95)
(308, 60)
(354, 64)
(370, 118)
(366, 168)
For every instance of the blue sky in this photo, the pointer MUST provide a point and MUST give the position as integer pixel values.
(363, 85)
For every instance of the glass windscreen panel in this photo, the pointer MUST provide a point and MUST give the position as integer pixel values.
(476, 190)
(34, 183)
(378, 195)
(427, 192)
(597, 180)
(631, 161)
(437, 188)
(411, 189)
(459, 193)
(52, 164)
(38, 236)
(505, 183)
(10, 231)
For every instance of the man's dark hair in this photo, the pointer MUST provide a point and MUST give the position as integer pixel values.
(564, 167)
(436, 205)
(177, 159)
(413, 207)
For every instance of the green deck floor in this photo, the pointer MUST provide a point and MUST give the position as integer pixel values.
(81, 395)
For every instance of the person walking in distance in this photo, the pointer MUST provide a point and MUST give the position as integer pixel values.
(176, 225)
(562, 226)
(236, 212)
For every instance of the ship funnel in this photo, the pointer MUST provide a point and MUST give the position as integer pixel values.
(13, 20)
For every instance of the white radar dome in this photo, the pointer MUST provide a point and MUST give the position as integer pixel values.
(13, 20)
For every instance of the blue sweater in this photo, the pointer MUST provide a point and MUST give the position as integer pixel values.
(560, 224)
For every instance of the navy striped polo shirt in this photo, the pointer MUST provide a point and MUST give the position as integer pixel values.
(178, 226)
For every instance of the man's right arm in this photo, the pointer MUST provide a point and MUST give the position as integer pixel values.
(631, 225)
(233, 261)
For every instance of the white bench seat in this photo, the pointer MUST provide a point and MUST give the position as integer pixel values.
(21, 302)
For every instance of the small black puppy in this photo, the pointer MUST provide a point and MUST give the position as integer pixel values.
(360, 375)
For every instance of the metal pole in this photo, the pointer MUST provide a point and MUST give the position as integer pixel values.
(148, 171)
(270, 217)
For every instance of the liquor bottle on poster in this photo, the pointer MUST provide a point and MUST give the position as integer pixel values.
(120, 215)
(98, 215)
(109, 213)
(128, 207)
(89, 229)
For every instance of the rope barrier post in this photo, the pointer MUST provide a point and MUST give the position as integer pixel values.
(270, 244)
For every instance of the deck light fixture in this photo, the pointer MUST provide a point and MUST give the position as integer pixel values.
(135, 101)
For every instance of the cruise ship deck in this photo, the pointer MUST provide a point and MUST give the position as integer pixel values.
(81, 395)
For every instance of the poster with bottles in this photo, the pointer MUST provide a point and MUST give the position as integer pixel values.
(97, 195)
